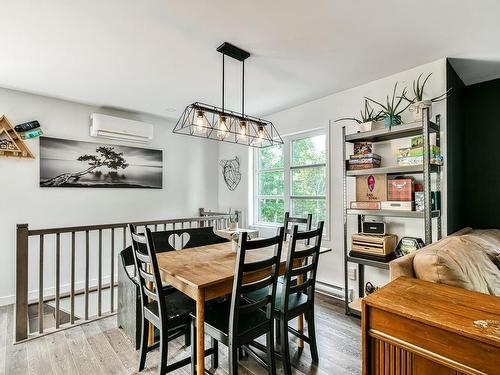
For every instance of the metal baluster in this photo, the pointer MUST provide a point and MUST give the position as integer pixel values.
(72, 276)
(182, 237)
(112, 283)
(124, 237)
(58, 266)
(40, 287)
(99, 278)
(86, 275)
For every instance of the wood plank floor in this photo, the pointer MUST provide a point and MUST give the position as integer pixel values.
(102, 348)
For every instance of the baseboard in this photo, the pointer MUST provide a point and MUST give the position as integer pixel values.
(64, 288)
(330, 290)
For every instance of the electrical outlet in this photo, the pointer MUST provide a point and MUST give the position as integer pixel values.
(352, 274)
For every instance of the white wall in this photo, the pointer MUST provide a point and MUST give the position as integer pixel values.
(238, 198)
(189, 182)
(348, 103)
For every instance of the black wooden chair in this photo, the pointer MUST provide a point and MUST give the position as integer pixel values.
(129, 301)
(169, 313)
(237, 322)
(190, 237)
(294, 297)
(129, 313)
(306, 223)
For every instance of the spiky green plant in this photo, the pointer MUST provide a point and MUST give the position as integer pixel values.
(394, 106)
(418, 91)
(367, 115)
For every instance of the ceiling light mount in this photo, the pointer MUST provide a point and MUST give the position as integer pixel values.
(207, 121)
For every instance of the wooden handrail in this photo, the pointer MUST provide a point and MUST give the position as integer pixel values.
(81, 228)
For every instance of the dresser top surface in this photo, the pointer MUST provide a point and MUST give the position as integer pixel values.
(464, 312)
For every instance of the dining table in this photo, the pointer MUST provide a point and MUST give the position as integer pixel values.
(207, 272)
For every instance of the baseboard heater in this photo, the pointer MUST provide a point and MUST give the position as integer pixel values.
(333, 290)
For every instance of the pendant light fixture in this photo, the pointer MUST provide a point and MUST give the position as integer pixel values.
(221, 124)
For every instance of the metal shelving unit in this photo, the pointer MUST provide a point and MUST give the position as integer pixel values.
(425, 128)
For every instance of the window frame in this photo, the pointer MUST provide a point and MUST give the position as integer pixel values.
(287, 171)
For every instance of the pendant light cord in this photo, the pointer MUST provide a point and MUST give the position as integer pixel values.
(243, 88)
(223, 55)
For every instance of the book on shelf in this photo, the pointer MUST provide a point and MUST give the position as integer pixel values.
(363, 148)
(355, 167)
(365, 205)
(370, 155)
(364, 161)
(419, 160)
(417, 151)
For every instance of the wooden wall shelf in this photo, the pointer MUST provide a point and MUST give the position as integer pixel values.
(19, 148)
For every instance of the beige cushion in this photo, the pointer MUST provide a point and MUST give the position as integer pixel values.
(460, 262)
(489, 240)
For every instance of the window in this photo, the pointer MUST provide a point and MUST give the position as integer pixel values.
(270, 185)
(292, 177)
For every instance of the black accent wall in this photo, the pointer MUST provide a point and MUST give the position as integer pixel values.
(473, 141)
(482, 155)
(455, 136)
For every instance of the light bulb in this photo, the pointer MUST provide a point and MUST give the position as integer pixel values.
(223, 129)
(242, 136)
(260, 132)
(200, 123)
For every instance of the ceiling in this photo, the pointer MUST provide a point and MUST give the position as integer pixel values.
(158, 56)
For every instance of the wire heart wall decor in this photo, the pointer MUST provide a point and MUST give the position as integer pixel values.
(231, 172)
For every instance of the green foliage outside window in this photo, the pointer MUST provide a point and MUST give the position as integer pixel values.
(316, 207)
(308, 181)
(271, 157)
(308, 151)
(271, 183)
(271, 210)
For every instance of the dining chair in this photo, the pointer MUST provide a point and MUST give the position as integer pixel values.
(307, 221)
(184, 238)
(168, 312)
(295, 296)
(237, 322)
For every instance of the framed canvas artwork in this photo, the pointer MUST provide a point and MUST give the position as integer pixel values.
(67, 163)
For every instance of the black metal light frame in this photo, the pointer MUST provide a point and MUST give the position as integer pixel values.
(217, 123)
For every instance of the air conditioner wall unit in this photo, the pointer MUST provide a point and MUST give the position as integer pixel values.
(104, 126)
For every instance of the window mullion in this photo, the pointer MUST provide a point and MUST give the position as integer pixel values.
(287, 152)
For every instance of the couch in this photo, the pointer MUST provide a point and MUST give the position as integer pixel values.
(469, 259)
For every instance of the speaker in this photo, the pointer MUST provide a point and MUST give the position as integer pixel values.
(373, 227)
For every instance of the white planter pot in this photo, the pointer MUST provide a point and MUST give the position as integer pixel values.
(417, 109)
(233, 226)
(365, 126)
(370, 125)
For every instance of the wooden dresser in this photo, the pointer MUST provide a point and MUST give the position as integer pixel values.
(412, 326)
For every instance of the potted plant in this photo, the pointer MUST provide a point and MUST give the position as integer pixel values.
(391, 111)
(367, 120)
(418, 103)
(233, 223)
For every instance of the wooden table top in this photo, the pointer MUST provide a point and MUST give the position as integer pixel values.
(457, 310)
(204, 266)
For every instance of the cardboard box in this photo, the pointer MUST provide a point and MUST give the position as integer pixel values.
(374, 245)
(400, 189)
(416, 151)
(371, 188)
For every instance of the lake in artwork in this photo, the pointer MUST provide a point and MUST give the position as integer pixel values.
(67, 163)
